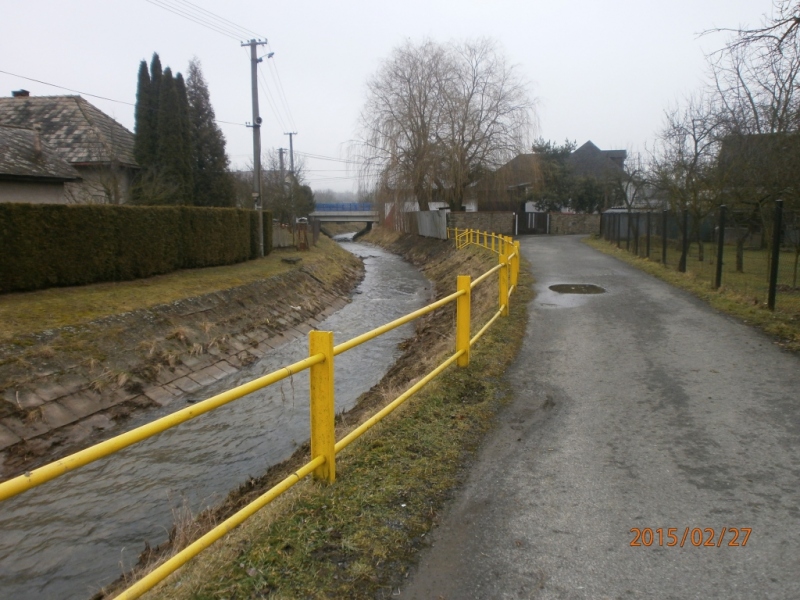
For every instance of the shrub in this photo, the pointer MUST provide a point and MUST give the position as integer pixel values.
(46, 245)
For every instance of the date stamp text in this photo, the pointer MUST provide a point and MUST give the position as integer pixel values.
(696, 536)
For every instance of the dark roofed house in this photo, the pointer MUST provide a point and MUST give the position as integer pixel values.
(30, 170)
(590, 161)
(94, 144)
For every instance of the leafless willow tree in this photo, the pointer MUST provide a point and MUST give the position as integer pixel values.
(438, 116)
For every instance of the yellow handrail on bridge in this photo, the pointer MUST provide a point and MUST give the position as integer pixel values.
(320, 362)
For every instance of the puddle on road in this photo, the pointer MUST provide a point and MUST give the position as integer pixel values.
(577, 288)
(566, 295)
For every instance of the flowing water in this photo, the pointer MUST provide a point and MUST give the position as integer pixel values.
(72, 535)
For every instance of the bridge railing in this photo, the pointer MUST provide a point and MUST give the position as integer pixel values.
(320, 363)
(344, 207)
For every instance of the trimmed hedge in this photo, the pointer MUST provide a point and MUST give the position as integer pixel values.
(47, 245)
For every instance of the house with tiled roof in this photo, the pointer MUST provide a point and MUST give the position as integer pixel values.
(91, 142)
(30, 170)
(590, 161)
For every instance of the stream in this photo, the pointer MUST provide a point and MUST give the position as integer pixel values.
(67, 538)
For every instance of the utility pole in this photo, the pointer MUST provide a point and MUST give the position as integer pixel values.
(256, 125)
(282, 176)
(291, 171)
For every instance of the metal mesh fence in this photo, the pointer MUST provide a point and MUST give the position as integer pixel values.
(745, 259)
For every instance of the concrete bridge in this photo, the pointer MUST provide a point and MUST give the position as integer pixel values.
(345, 212)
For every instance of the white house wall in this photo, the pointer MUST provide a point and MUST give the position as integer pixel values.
(32, 193)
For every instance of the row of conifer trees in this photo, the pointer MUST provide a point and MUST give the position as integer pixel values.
(178, 145)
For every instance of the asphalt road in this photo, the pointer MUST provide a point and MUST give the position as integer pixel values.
(637, 408)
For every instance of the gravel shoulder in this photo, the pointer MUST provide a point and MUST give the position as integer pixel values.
(638, 408)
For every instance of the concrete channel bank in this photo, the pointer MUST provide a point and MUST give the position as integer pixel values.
(65, 389)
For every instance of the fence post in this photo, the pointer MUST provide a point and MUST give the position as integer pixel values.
(628, 223)
(503, 279)
(619, 229)
(684, 240)
(515, 266)
(664, 217)
(720, 246)
(463, 319)
(776, 250)
(647, 237)
(323, 436)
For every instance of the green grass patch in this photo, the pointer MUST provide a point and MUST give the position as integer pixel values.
(741, 295)
(358, 537)
(31, 312)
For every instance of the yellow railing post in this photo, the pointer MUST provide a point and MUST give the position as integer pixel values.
(503, 279)
(515, 268)
(463, 318)
(323, 437)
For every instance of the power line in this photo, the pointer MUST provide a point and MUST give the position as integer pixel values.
(205, 18)
(195, 19)
(271, 101)
(332, 178)
(61, 87)
(328, 158)
(192, 12)
(249, 32)
(282, 93)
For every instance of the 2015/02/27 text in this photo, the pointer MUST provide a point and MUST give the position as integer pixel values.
(695, 536)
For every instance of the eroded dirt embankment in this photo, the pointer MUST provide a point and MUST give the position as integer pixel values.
(66, 388)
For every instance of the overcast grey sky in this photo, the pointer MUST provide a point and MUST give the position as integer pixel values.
(599, 70)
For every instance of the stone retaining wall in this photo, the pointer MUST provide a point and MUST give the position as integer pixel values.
(496, 222)
(565, 224)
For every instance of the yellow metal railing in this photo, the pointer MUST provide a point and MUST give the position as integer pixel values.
(320, 363)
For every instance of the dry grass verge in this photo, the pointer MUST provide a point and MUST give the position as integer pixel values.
(740, 302)
(30, 312)
(358, 537)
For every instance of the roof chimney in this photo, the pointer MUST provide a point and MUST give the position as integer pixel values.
(37, 140)
(20, 93)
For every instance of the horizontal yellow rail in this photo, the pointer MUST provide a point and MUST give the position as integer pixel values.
(365, 337)
(170, 566)
(485, 328)
(320, 363)
(485, 275)
(31, 479)
(389, 408)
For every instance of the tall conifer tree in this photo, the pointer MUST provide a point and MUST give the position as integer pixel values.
(213, 183)
(172, 150)
(186, 156)
(156, 75)
(145, 119)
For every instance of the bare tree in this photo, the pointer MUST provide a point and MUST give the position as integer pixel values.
(684, 161)
(487, 116)
(438, 116)
(400, 119)
(754, 77)
(779, 30)
(285, 193)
